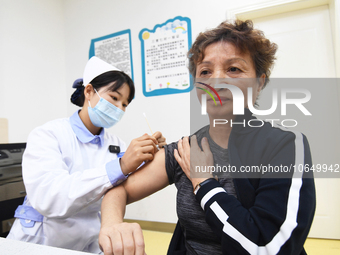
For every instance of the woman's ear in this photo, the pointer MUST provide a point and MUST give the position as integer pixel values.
(88, 91)
(261, 80)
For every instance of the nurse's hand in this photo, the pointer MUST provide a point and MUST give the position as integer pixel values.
(199, 158)
(140, 149)
(160, 139)
(122, 239)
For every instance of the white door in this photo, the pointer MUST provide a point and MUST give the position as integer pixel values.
(305, 50)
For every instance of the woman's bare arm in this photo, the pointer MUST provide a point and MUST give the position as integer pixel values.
(117, 237)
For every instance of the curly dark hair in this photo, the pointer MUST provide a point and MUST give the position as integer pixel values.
(244, 37)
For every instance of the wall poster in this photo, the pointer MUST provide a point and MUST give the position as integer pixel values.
(164, 57)
(114, 49)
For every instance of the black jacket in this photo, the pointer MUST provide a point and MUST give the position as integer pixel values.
(273, 211)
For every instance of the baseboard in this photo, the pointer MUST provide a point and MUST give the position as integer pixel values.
(154, 226)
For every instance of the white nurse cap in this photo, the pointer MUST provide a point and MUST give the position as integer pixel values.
(95, 67)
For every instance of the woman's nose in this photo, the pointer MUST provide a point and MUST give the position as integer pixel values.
(219, 73)
(218, 77)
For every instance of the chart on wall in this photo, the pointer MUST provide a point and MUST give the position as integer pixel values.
(164, 57)
(114, 49)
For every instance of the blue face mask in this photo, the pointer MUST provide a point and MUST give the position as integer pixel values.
(104, 114)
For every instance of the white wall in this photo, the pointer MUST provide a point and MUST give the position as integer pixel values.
(86, 20)
(44, 46)
(32, 64)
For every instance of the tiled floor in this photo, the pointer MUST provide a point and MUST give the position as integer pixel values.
(157, 244)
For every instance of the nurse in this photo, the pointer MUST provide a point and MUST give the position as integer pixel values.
(70, 163)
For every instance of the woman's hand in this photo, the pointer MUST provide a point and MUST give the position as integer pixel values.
(122, 239)
(140, 149)
(199, 159)
(160, 139)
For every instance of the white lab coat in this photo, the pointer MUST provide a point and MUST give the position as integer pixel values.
(65, 180)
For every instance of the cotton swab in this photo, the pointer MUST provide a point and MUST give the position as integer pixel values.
(149, 127)
(147, 122)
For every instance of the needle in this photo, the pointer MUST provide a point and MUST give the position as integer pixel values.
(149, 127)
(147, 122)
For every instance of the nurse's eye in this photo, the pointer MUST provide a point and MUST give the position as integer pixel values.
(115, 98)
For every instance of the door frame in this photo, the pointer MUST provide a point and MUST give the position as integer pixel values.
(273, 7)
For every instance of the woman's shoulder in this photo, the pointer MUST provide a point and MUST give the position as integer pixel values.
(202, 131)
(272, 137)
(268, 129)
(278, 132)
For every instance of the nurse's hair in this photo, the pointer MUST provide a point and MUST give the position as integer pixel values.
(244, 37)
(118, 79)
